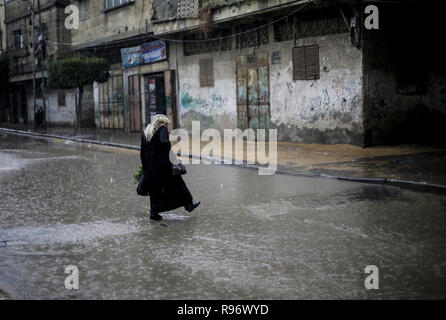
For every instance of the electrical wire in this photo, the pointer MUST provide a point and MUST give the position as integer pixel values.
(198, 40)
(210, 39)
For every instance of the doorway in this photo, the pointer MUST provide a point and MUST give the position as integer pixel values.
(155, 96)
(253, 105)
(18, 112)
(111, 103)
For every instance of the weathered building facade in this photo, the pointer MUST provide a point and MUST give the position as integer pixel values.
(310, 69)
(140, 84)
(288, 65)
(19, 23)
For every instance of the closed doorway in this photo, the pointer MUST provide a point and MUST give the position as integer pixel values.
(18, 112)
(253, 104)
(155, 97)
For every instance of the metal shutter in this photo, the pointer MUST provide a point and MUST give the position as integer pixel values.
(203, 79)
(206, 72)
(312, 62)
(299, 63)
(210, 72)
(306, 63)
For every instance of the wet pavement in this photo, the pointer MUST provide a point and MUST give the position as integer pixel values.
(412, 163)
(253, 237)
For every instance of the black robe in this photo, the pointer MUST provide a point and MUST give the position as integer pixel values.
(166, 191)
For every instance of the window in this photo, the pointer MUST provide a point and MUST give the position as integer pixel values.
(251, 35)
(283, 30)
(310, 24)
(306, 63)
(206, 72)
(201, 45)
(61, 99)
(113, 3)
(84, 9)
(18, 39)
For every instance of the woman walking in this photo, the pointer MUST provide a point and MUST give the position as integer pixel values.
(167, 189)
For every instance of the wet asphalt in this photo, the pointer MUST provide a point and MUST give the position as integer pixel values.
(253, 237)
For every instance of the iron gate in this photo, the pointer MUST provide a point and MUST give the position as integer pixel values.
(111, 103)
(135, 103)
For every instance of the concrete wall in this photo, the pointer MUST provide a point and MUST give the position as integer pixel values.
(214, 106)
(104, 23)
(165, 22)
(63, 115)
(328, 110)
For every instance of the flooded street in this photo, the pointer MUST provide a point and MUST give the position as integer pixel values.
(253, 237)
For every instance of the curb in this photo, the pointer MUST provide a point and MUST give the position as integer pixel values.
(403, 184)
(55, 136)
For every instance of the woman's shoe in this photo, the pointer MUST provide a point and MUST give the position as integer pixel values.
(155, 216)
(192, 206)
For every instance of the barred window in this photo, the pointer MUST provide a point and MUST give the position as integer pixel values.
(306, 63)
(251, 36)
(200, 45)
(283, 30)
(317, 23)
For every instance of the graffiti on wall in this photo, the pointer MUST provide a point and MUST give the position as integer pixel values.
(203, 103)
(343, 89)
(336, 101)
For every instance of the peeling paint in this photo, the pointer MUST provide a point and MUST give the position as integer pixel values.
(328, 109)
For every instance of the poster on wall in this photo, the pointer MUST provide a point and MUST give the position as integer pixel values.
(131, 57)
(153, 51)
(275, 57)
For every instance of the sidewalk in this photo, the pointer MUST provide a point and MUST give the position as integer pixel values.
(420, 166)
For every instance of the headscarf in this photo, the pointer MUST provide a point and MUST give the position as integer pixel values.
(158, 121)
